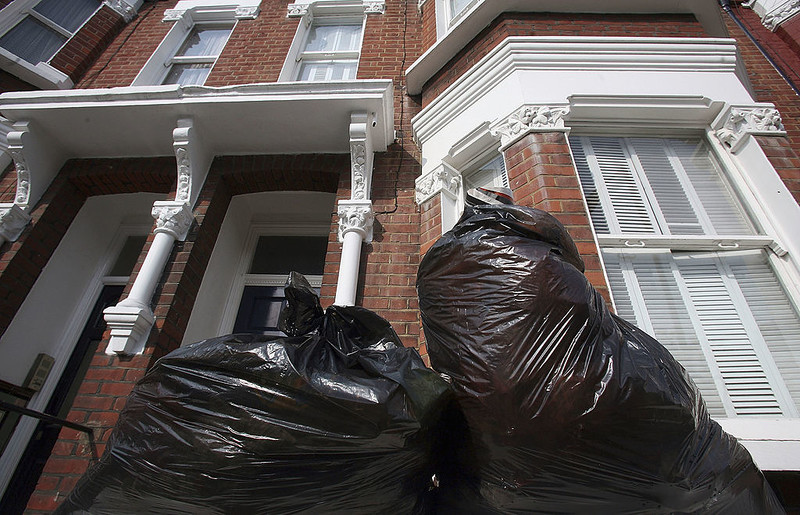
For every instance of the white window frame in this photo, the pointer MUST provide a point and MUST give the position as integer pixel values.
(712, 247)
(243, 278)
(160, 63)
(321, 13)
(446, 19)
(41, 74)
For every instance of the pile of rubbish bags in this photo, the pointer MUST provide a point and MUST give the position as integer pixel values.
(569, 408)
(549, 404)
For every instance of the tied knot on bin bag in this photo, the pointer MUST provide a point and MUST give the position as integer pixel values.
(336, 417)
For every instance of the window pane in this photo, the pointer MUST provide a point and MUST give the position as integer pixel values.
(456, 6)
(70, 14)
(259, 310)
(284, 254)
(32, 41)
(204, 41)
(492, 173)
(331, 38)
(328, 70)
(188, 74)
(128, 256)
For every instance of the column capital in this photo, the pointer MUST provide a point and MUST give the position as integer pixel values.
(356, 215)
(173, 218)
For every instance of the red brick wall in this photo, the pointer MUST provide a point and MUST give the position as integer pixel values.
(789, 31)
(768, 86)
(428, 24)
(122, 60)
(88, 43)
(550, 24)
(542, 175)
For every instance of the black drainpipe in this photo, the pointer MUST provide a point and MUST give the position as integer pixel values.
(726, 6)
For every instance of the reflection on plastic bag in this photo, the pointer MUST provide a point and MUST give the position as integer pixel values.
(337, 418)
(569, 408)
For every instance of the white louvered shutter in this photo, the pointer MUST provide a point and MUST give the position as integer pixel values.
(492, 173)
(620, 192)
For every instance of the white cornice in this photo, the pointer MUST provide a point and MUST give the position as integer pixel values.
(464, 30)
(289, 117)
(578, 54)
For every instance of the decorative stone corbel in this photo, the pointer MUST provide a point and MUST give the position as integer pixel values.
(249, 12)
(374, 7)
(527, 119)
(774, 18)
(16, 148)
(12, 222)
(738, 122)
(123, 8)
(193, 161)
(173, 14)
(297, 10)
(130, 321)
(443, 178)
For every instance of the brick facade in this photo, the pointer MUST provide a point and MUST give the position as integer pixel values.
(108, 53)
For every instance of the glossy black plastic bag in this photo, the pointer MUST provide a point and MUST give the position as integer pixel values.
(334, 419)
(569, 409)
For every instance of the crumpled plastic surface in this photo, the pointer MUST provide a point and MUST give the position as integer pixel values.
(337, 418)
(569, 409)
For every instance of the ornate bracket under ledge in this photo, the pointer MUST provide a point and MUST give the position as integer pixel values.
(193, 162)
(16, 149)
(773, 19)
(122, 8)
(173, 218)
(356, 215)
(12, 222)
(440, 179)
(738, 122)
(369, 6)
(361, 156)
(527, 119)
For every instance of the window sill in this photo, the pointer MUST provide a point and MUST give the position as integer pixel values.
(42, 75)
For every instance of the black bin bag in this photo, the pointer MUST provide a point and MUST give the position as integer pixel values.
(569, 409)
(335, 418)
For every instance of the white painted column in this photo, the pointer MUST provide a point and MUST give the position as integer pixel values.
(130, 321)
(355, 227)
(355, 215)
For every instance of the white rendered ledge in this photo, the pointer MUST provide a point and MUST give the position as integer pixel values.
(465, 29)
(41, 75)
(773, 443)
(293, 117)
(585, 59)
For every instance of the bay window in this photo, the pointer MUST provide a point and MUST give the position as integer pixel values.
(686, 263)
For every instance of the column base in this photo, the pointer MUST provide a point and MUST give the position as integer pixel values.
(130, 326)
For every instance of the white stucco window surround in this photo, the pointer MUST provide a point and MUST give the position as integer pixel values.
(204, 27)
(327, 43)
(774, 12)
